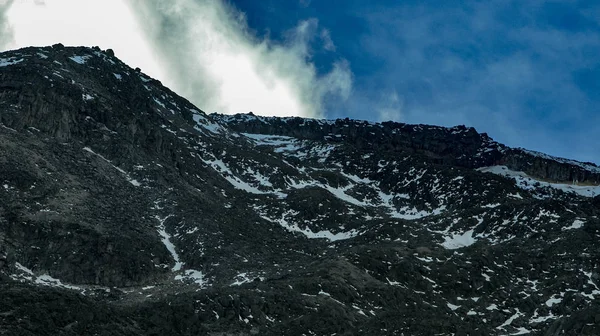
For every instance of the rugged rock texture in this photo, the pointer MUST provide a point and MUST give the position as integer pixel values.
(126, 210)
(460, 146)
(551, 168)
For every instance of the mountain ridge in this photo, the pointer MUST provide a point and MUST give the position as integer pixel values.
(128, 210)
(546, 166)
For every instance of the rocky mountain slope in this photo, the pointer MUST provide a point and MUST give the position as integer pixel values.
(126, 210)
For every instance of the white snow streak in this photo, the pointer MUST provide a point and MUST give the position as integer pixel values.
(80, 59)
(9, 61)
(326, 234)
(129, 179)
(166, 239)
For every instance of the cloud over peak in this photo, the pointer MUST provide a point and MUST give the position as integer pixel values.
(202, 49)
(210, 56)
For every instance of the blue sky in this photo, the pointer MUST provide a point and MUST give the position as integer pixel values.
(525, 72)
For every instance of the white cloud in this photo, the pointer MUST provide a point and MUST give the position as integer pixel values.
(327, 41)
(390, 108)
(202, 49)
(108, 24)
(6, 31)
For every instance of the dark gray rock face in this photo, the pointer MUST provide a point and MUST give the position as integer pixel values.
(459, 146)
(553, 169)
(126, 210)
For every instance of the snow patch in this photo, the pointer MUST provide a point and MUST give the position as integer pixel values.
(10, 61)
(135, 182)
(159, 102)
(511, 319)
(166, 240)
(292, 147)
(80, 59)
(23, 268)
(243, 278)
(191, 275)
(204, 123)
(577, 224)
(408, 213)
(326, 234)
(493, 306)
(452, 307)
(235, 181)
(553, 300)
(47, 280)
(280, 144)
(456, 241)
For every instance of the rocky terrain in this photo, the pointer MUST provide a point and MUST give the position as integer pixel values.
(126, 210)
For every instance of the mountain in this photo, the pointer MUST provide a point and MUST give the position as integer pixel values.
(126, 210)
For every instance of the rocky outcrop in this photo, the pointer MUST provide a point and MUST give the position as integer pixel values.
(551, 168)
(460, 145)
(126, 210)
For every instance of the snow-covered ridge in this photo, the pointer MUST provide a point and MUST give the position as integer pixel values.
(307, 121)
(486, 150)
(206, 124)
(527, 182)
(290, 146)
(585, 165)
(247, 117)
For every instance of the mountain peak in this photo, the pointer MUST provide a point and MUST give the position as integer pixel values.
(127, 210)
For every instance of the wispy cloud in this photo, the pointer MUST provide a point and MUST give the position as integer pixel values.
(327, 41)
(202, 49)
(108, 24)
(389, 107)
(6, 31)
(210, 56)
